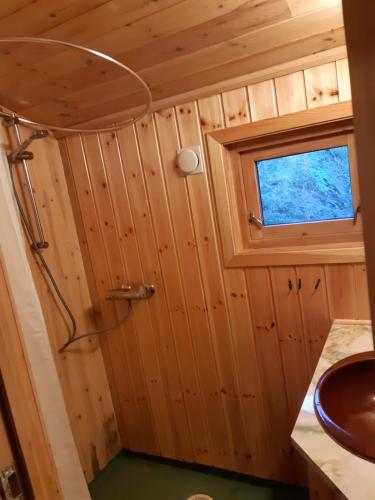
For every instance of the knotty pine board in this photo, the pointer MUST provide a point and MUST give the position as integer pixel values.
(81, 368)
(224, 355)
(177, 46)
(6, 455)
(23, 402)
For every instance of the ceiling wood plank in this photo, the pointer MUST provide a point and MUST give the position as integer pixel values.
(132, 35)
(251, 79)
(299, 7)
(244, 19)
(102, 17)
(177, 46)
(250, 53)
(36, 17)
(105, 18)
(258, 62)
(8, 8)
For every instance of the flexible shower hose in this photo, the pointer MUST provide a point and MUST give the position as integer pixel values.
(72, 337)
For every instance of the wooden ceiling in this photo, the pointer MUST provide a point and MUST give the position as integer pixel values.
(175, 45)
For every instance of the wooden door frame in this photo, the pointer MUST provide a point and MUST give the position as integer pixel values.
(17, 458)
(359, 27)
(22, 400)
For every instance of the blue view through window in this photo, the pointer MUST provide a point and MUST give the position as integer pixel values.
(306, 187)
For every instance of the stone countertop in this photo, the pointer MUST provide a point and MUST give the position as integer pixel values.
(353, 476)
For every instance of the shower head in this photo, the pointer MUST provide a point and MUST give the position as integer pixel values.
(19, 153)
(38, 134)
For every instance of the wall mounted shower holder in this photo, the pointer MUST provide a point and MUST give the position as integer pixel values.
(131, 292)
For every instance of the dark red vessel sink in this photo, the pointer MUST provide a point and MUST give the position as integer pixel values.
(345, 403)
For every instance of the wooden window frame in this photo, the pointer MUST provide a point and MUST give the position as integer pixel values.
(311, 243)
(308, 230)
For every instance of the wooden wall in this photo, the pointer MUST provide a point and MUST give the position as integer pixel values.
(81, 369)
(6, 455)
(23, 403)
(214, 367)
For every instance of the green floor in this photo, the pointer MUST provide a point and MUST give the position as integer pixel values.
(132, 478)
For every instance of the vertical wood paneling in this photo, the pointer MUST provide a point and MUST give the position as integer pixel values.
(174, 293)
(116, 363)
(81, 369)
(263, 105)
(219, 359)
(98, 182)
(192, 282)
(140, 321)
(157, 338)
(341, 291)
(361, 291)
(321, 85)
(236, 107)
(200, 199)
(239, 314)
(343, 80)
(315, 311)
(271, 371)
(291, 336)
(347, 291)
(290, 93)
(262, 99)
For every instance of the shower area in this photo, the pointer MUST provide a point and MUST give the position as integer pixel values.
(146, 350)
(36, 196)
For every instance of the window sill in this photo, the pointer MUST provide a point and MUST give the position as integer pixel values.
(299, 255)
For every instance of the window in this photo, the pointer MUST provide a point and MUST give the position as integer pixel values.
(305, 187)
(286, 189)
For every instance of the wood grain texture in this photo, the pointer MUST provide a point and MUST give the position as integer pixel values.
(81, 368)
(362, 76)
(6, 455)
(196, 307)
(290, 93)
(176, 45)
(314, 309)
(232, 349)
(262, 100)
(343, 80)
(22, 399)
(211, 111)
(321, 85)
(291, 336)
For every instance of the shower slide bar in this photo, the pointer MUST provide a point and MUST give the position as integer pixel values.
(20, 155)
(126, 292)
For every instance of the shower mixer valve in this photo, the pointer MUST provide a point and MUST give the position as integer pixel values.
(131, 292)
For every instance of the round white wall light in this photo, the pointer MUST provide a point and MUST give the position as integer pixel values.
(189, 160)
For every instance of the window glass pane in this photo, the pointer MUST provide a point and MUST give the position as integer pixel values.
(307, 187)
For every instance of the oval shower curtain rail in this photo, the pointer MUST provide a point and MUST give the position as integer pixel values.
(145, 108)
